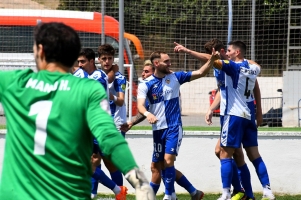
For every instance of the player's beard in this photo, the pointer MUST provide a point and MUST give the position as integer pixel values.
(164, 70)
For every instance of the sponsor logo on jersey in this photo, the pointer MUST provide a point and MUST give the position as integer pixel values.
(168, 91)
(123, 87)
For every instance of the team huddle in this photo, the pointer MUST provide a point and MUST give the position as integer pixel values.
(60, 127)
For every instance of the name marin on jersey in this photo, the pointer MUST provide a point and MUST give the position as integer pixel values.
(36, 84)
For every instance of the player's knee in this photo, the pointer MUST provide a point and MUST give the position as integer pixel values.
(110, 166)
(178, 174)
(155, 168)
(217, 149)
(252, 153)
(238, 156)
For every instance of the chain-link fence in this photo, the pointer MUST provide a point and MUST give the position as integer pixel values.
(271, 30)
(159, 23)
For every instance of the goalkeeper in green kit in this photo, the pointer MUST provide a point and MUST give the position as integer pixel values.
(52, 117)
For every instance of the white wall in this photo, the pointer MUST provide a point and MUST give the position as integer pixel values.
(291, 96)
(195, 97)
(280, 151)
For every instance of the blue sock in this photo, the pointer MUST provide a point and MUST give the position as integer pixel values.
(261, 171)
(155, 187)
(117, 178)
(246, 180)
(236, 177)
(170, 176)
(94, 183)
(100, 176)
(226, 172)
(163, 176)
(183, 182)
(123, 134)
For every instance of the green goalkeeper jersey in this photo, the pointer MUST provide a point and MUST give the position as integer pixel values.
(51, 120)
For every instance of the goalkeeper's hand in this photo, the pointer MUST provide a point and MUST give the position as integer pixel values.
(138, 180)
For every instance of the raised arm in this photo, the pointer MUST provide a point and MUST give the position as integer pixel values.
(200, 56)
(203, 71)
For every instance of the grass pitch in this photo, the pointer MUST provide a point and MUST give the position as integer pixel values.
(206, 197)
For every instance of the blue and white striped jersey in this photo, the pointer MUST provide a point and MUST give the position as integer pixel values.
(101, 77)
(162, 95)
(80, 73)
(220, 79)
(118, 113)
(239, 84)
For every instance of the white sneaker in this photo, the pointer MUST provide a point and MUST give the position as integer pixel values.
(268, 197)
(167, 197)
(228, 197)
(173, 196)
(93, 196)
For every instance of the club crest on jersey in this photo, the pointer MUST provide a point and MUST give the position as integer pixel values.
(226, 61)
(154, 96)
(167, 81)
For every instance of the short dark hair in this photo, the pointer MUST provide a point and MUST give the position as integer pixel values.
(213, 43)
(156, 55)
(88, 53)
(240, 45)
(106, 49)
(60, 42)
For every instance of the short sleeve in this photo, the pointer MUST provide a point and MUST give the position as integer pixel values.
(142, 90)
(120, 84)
(230, 68)
(183, 77)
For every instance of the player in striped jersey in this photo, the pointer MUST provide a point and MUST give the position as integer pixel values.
(106, 54)
(237, 126)
(98, 175)
(251, 149)
(78, 72)
(86, 61)
(162, 92)
(180, 179)
(117, 88)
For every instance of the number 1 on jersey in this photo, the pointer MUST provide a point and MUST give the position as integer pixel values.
(42, 110)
